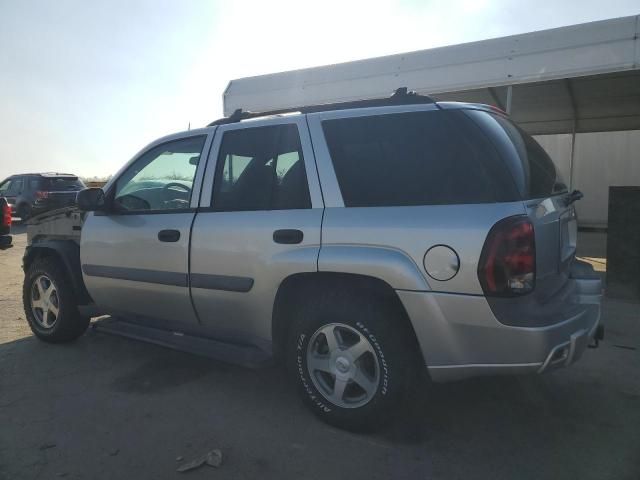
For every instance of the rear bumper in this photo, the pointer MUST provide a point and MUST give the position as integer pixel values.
(460, 337)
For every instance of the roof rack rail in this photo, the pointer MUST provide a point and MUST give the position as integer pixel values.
(400, 97)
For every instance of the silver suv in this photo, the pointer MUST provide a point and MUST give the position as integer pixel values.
(356, 242)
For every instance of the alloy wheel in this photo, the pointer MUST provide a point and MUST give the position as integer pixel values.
(343, 365)
(45, 303)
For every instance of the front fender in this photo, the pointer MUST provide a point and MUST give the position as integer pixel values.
(68, 252)
(391, 265)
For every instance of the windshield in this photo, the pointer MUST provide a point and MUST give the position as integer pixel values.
(61, 184)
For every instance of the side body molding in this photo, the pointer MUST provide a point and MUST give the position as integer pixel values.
(391, 265)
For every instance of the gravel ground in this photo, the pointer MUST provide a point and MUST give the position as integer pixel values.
(110, 408)
(13, 323)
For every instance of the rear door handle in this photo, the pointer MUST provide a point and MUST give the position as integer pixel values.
(169, 235)
(288, 236)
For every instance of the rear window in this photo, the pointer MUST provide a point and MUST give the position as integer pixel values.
(533, 169)
(61, 184)
(416, 158)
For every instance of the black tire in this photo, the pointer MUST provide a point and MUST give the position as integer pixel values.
(24, 212)
(376, 319)
(68, 324)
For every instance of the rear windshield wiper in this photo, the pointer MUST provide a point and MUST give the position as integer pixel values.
(573, 197)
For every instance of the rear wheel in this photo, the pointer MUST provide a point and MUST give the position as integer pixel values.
(49, 302)
(351, 360)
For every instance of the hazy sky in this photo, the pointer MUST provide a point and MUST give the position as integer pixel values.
(85, 84)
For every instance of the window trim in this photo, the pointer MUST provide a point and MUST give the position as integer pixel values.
(319, 123)
(308, 152)
(218, 172)
(196, 189)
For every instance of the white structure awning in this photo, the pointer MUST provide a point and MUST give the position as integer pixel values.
(581, 78)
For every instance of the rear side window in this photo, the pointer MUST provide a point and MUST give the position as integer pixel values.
(261, 168)
(60, 184)
(533, 169)
(35, 183)
(415, 158)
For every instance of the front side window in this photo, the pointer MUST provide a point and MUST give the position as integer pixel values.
(5, 186)
(261, 168)
(161, 179)
(16, 187)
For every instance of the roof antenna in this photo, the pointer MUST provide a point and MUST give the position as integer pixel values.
(189, 127)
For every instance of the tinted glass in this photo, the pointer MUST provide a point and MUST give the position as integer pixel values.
(61, 184)
(161, 179)
(535, 171)
(261, 168)
(417, 158)
(16, 187)
(4, 186)
(35, 183)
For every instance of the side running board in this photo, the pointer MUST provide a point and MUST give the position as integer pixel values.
(246, 356)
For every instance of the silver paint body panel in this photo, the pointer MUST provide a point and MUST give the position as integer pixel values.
(457, 331)
(131, 241)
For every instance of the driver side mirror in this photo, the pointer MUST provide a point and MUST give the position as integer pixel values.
(91, 200)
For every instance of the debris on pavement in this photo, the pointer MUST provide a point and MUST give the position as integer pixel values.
(212, 458)
(114, 452)
(47, 446)
(180, 458)
(626, 347)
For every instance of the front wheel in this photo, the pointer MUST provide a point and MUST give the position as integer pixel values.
(49, 302)
(351, 360)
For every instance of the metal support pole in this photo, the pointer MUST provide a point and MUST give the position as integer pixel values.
(509, 97)
(573, 150)
(574, 115)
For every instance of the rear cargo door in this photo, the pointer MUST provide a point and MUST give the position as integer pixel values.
(546, 200)
(62, 191)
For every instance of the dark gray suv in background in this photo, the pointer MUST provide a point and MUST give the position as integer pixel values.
(32, 193)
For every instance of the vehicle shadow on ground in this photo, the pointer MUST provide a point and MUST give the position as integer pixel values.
(18, 227)
(104, 393)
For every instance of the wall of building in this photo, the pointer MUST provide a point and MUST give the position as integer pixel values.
(602, 159)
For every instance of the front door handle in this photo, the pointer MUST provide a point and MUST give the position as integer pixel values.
(169, 235)
(288, 236)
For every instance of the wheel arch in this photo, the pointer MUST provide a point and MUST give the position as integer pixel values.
(67, 252)
(294, 288)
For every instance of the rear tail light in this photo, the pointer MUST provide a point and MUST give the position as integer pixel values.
(6, 214)
(499, 110)
(40, 194)
(508, 260)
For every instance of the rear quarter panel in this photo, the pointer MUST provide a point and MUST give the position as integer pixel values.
(410, 231)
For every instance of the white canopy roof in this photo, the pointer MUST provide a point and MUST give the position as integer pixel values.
(584, 76)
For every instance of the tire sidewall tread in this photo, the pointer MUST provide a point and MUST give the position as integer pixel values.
(69, 324)
(379, 323)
